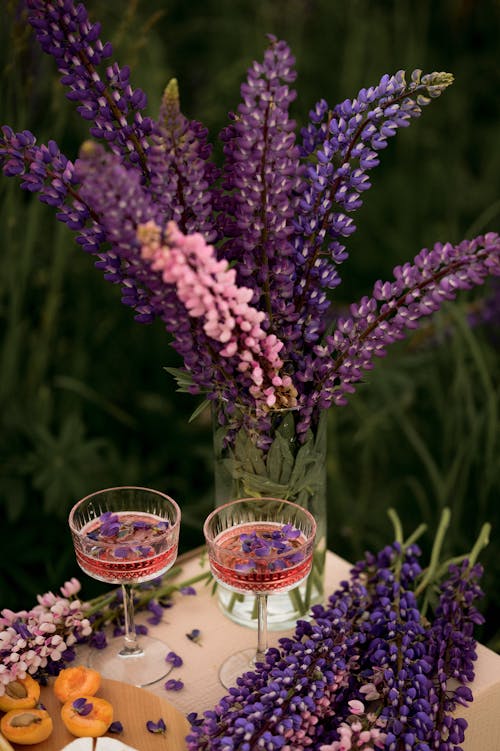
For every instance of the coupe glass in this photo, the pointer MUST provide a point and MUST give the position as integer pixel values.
(127, 535)
(259, 546)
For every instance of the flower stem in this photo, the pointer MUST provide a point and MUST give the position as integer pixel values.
(435, 553)
(101, 602)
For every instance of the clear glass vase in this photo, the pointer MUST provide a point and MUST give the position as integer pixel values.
(288, 469)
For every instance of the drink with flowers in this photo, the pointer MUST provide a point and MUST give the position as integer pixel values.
(125, 547)
(127, 535)
(260, 546)
(265, 558)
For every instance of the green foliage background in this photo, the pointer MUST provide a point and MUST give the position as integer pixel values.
(84, 399)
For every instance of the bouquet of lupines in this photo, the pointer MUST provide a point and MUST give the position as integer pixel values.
(239, 261)
(377, 667)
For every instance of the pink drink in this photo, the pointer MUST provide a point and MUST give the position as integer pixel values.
(248, 572)
(130, 547)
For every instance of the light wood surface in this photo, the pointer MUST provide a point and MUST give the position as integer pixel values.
(133, 707)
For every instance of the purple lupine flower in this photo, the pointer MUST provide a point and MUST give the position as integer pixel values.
(122, 552)
(305, 678)
(397, 649)
(82, 707)
(157, 727)
(68, 655)
(141, 524)
(344, 144)
(64, 31)
(417, 290)
(194, 635)
(370, 641)
(157, 612)
(174, 659)
(43, 170)
(452, 648)
(110, 525)
(187, 590)
(263, 544)
(173, 685)
(98, 640)
(21, 629)
(262, 178)
(181, 175)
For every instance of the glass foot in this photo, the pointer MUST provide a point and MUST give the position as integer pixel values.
(141, 669)
(235, 665)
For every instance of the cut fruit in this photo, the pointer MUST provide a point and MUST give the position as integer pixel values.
(23, 693)
(26, 726)
(76, 681)
(93, 723)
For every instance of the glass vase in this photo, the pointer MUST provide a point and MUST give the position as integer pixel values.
(290, 470)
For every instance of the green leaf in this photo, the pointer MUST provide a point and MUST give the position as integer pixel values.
(248, 455)
(262, 485)
(199, 409)
(183, 379)
(279, 463)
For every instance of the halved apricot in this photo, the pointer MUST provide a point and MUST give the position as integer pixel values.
(88, 716)
(76, 681)
(26, 726)
(23, 693)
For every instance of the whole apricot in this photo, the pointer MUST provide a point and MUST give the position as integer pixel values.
(26, 726)
(87, 716)
(76, 681)
(23, 693)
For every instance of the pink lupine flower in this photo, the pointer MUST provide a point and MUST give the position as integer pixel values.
(47, 599)
(71, 587)
(356, 706)
(369, 691)
(207, 287)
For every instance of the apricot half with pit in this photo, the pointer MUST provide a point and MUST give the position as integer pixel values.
(76, 681)
(22, 693)
(26, 726)
(88, 716)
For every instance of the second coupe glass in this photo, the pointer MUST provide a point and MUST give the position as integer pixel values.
(259, 546)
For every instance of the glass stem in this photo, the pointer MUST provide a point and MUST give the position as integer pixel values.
(130, 646)
(261, 627)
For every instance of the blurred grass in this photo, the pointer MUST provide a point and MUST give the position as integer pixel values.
(84, 399)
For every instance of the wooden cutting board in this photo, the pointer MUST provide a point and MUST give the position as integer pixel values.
(133, 707)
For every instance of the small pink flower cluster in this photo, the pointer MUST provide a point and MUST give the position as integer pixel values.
(208, 289)
(303, 738)
(361, 731)
(31, 640)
